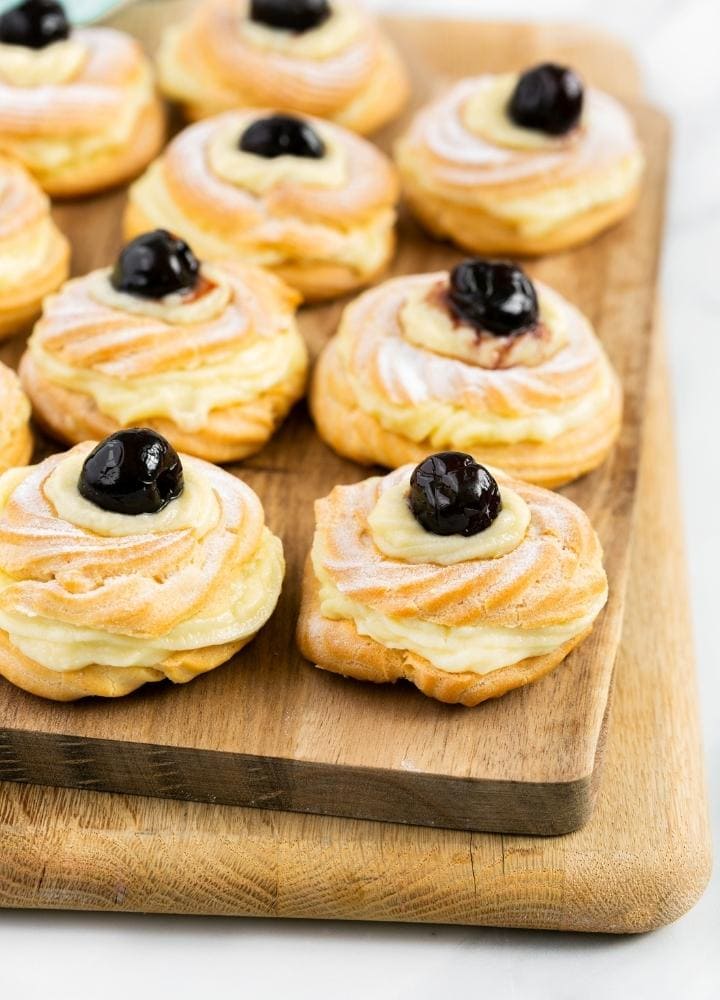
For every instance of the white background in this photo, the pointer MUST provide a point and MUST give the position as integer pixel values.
(94, 957)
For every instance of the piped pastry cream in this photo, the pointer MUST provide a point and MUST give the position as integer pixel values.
(59, 62)
(469, 613)
(308, 200)
(258, 174)
(34, 255)
(16, 441)
(397, 533)
(125, 564)
(214, 366)
(481, 360)
(521, 164)
(77, 108)
(325, 59)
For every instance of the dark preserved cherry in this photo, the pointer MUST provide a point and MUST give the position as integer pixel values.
(451, 494)
(133, 471)
(282, 135)
(156, 264)
(493, 296)
(290, 15)
(34, 24)
(548, 98)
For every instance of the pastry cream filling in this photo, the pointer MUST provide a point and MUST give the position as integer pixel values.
(260, 174)
(474, 648)
(362, 247)
(60, 62)
(176, 309)
(47, 154)
(398, 535)
(197, 506)
(240, 609)
(26, 253)
(15, 408)
(433, 327)
(485, 114)
(233, 612)
(538, 214)
(323, 42)
(185, 396)
(443, 425)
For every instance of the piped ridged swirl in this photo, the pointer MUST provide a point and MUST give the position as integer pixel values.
(220, 371)
(345, 70)
(554, 576)
(384, 398)
(98, 126)
(15, 437)
(72, 580)
(297, 228)
(496, 189)
(94, 99)
(462, 158)
(34, 255)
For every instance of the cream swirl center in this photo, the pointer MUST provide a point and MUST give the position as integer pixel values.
(259, 174)
(484, 113)
(398, 535)
(427, 321)
(335, 34)
(196, 507)
(199, 306)
(59, 62)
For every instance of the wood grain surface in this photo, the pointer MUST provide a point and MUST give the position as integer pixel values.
(270, 731)
(641, 861)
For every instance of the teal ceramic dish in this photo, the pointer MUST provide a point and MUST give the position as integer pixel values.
(81, 11)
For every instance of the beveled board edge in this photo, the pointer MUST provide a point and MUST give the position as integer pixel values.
(641, 862)
(412, 797)
(305, 785)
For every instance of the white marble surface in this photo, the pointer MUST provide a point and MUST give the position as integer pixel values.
(87, 957)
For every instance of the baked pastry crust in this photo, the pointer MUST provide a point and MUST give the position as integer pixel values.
(555, 575)
(493, 199)
(16, 443)
(94, 130)
(211, 63)
(337, 647)
(136, 587)
(370, 359)
(259, 309)
(34, 255)
(324, 240)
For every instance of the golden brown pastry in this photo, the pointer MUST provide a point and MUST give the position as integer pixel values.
(527, 165)
(209, 355)
(318, 57)
(125, 564)
(34, 255)
(16, 442)
(479, 360)
(77, 107)
(302, 197)
(464, 582)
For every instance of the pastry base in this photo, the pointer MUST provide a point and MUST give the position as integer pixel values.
(359, 436)
(482, 233)
(114, 166)
(18, 449)
(380, 102)
(103, 681)
(316, 280)
(18, 308)
(230, 434)
(337, 647)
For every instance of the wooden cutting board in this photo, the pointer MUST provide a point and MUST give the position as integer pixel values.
(270, 731)
(641, 861)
